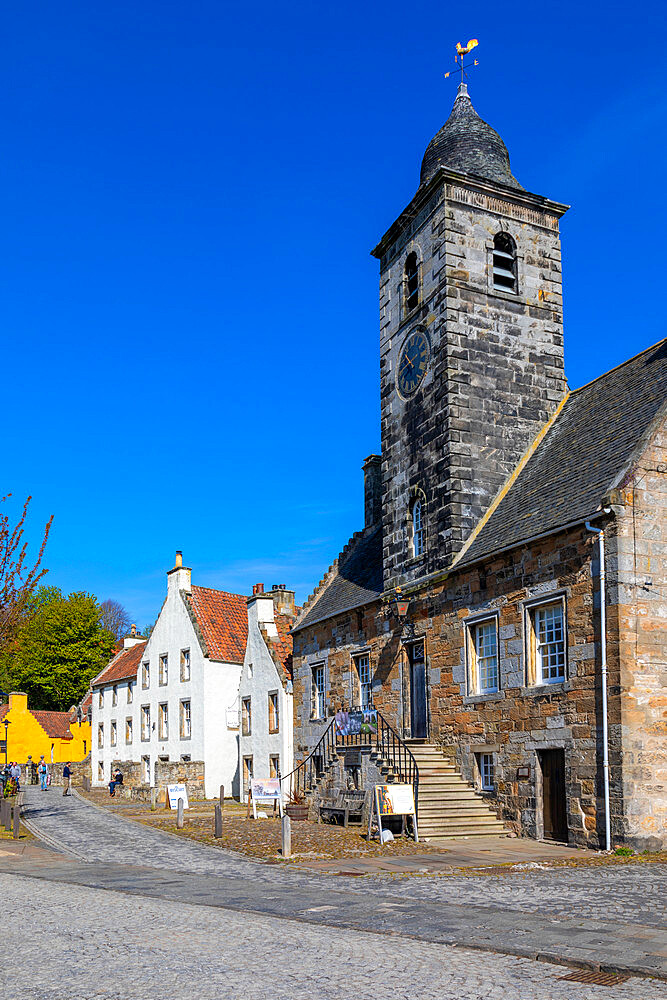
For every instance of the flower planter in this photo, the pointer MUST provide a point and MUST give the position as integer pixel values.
(297, 813)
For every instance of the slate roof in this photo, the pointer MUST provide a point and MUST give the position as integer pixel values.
(584, 454)
(466, 143)
(122, 667)
(223, 621)
(357, 580)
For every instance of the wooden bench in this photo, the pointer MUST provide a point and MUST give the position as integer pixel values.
(347, 806)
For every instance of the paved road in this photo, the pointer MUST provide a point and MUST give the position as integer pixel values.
(607, 916)
(88, 944)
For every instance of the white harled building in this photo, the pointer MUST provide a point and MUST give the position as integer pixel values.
(184, 698)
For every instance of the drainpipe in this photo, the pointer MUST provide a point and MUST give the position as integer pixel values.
(605, 722)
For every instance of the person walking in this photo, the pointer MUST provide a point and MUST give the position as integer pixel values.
(15, 772)
(43, 772)
(67, 777)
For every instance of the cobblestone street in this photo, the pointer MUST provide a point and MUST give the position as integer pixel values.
(143, 912)
(106, 946)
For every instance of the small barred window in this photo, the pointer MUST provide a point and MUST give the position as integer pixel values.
(504, 262)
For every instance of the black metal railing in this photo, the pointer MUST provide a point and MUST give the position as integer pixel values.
(385, 743)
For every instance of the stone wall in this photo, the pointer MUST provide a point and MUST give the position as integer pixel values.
(518, 721)
(496, 373)
(639, 550)
(188, 773)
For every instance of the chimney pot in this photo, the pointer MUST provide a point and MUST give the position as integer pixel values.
(179, 559)
(133, 630)
(258, 588)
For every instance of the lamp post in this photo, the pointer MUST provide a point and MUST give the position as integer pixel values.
(6, 723)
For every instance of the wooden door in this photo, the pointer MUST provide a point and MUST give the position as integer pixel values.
(553, 794)
(418, 711)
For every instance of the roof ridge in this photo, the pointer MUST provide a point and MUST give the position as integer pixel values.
(621, 364)
(214, 590)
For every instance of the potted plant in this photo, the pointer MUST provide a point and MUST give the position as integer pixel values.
(297, 807)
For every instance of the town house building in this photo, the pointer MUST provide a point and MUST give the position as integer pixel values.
(504, 606)
(265, 689)
(185, 682)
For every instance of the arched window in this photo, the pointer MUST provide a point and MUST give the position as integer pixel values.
(504, 262)
(411, 282)
(417, 529)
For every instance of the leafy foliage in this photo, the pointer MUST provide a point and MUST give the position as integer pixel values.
(60, 648)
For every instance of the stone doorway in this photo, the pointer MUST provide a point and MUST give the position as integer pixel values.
(418, 699)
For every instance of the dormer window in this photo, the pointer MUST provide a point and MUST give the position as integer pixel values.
(411, 282)
(504, 262)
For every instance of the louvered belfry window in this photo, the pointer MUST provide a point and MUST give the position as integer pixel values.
(504, 262)
(411, 282)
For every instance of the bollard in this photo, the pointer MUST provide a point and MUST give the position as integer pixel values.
(8, 815)
(17, 822)
(179, 815)
(222, 796)
(153, 798)
(287, 837)
(218, 822)
(2, 811)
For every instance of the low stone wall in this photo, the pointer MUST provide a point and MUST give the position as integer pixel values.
(339, 779)
(176, 772)
(79, 769)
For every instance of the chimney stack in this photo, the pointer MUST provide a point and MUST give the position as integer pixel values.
(372, 490)
(179, 578)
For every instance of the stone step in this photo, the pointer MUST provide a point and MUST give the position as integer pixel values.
(448, 828)
(464, 834)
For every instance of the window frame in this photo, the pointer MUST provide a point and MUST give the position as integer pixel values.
(163, 720)
(318, 693)
(185, 715)
(113, 733)
(274, 765)
(100, 770)
(411, 297)
(146, 768)
(100, 698)
(114, 696)
(274, 711)
(534, 673)
(500, 257)
(364, 685)
(145, 716)
(486, 766)
(475, 688)
(129, 730)
(184, 662)
(130, 692)
(163, 670)
(145, 675)
(100, 735)
(247, 775)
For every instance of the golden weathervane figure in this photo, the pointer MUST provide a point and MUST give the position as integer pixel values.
(461, 52)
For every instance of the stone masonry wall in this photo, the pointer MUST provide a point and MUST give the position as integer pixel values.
(518, 721)
(638, 554)
(496, 372)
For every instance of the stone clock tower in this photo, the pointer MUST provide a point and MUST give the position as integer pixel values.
(471, 342)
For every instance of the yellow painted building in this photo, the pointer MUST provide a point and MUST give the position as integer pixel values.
(57, 736)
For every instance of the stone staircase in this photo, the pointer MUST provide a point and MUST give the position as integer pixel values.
(448, 806)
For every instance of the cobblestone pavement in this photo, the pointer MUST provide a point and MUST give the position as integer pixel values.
(627, 893)
(88, 944)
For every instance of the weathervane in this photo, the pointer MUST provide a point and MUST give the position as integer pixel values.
(461, 52)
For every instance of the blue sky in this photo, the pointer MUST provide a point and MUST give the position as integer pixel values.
(190, 192)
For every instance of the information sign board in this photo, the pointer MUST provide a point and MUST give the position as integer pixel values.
(392, 800)
(266, 790)
(176, 792)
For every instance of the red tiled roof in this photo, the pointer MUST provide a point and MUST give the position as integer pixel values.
(280, 646)
(223, 622)
(122, 667)
(53, 723)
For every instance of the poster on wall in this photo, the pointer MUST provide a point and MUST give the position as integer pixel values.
(392, 800)
(176, 792)
(357, 722)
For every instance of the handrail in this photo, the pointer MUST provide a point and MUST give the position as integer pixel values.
(385, 741)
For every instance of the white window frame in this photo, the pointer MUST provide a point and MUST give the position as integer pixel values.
(186, 665)
(362, 663)
(487, 771)
(480, 654)
(246, 716)
(417, 520)
(145, 723)
(540, 642)
(163, 720)
(163, 670)
(113, 733)
(318, 690)
(145, 675)
(186, 719)
(129, 730)
(274, 708)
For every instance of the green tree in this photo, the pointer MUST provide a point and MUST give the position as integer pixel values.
(60, 648)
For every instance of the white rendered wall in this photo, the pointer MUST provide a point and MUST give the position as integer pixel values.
(261, 744)
(106, 715)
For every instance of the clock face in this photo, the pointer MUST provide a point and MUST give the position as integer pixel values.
(412, 363)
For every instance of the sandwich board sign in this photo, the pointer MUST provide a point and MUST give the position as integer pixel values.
(392, 800)
(176, 792)
(265, 790)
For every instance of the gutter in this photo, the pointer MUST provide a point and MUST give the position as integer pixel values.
(603, 643)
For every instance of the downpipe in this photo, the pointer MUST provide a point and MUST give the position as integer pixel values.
(605, 721)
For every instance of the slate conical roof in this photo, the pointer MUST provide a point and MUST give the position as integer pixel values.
(468, 145)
